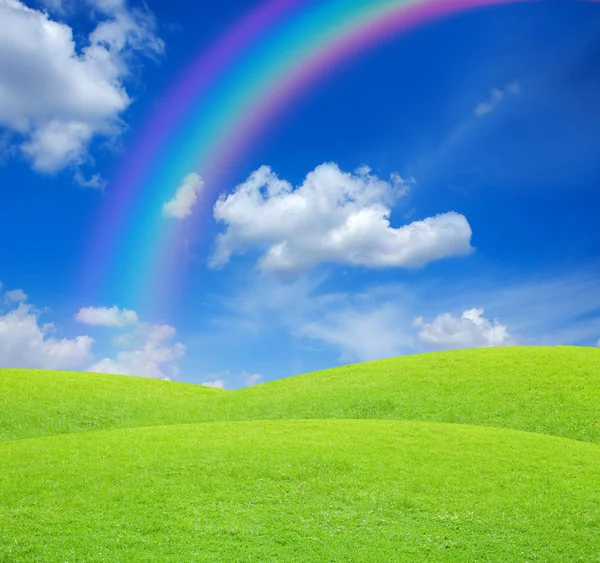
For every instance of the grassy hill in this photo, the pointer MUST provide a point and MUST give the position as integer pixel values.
(551, 390)
(472, 455)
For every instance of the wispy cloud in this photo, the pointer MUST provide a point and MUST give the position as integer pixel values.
(183, 201)
(496, 97)
(252, 379)
(15, 295)
(216, 383)
(389, 320)
(95, 182)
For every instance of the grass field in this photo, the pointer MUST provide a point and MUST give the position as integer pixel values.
(474, 455)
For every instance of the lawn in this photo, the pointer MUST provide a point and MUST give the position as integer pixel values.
(485, 455)
(550, 390)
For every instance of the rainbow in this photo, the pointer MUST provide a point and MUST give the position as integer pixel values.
(228, 97)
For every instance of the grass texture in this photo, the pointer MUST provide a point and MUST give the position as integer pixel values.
(487, 455)
(550, 390)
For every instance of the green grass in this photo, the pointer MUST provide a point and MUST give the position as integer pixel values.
(486, 455)
(551, 390)
(329, 490)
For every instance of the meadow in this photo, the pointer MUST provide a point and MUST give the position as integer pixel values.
(473, 455)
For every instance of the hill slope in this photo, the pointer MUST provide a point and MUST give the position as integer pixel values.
(551, 390)
(98, 468)
(300, 491)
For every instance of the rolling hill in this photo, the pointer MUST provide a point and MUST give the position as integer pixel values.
(473, 455)
(551, 390)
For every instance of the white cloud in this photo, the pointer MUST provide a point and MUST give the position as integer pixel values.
(333, 217)
(497, 96)
(58, 97)
(534, 309)
(149, 353)
(220, 379)
(105, 316)
(252, 379)
(96, 182)
(545, 310)
(217, 384)
(182, 204)
(471, 330)
(15, 295)
(598, 343)
(24, 343)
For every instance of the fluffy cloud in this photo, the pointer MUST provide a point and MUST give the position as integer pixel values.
(471, 330)
(185, 198)
(598, 343)
(333, 217)
(24, 343)
(148, 352)
(217, 384)
(497, 96)
(371, 330)
(57, 97)
(109, 317)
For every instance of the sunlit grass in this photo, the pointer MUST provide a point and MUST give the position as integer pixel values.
(328, 490)
(487, 455)
(552, 390)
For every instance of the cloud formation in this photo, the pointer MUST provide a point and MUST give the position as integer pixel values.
(25, 343)
(496, 97)
(252, 379)
(471, 330)
(147, 349)
(56, 97)
(148, 352)
(185, 198)
(333, 217)
(95, 182)
(361, 332)
(395, 319)
(105, 316)
(15, 295)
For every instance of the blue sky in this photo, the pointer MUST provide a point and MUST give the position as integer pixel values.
(492, 116)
